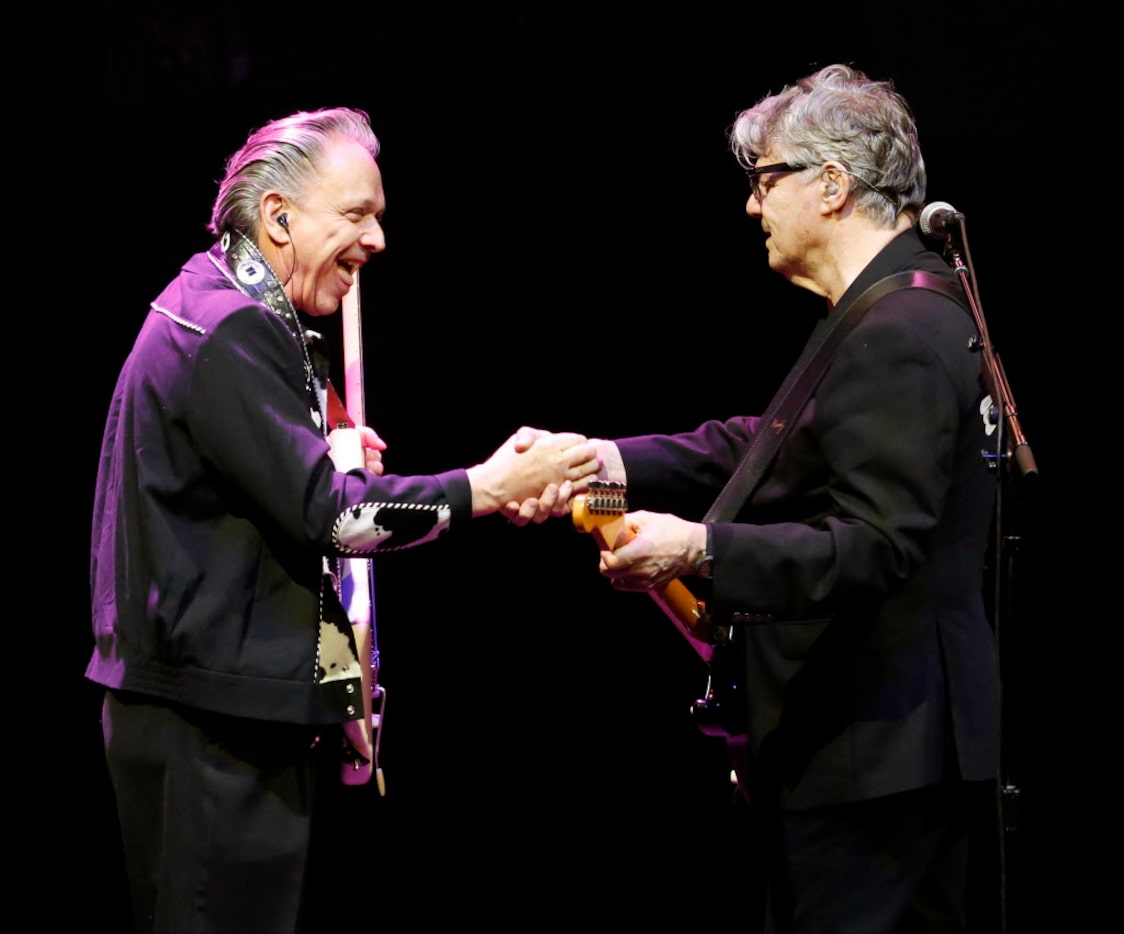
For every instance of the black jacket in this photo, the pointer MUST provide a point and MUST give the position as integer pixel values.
(854, 576)
(216, 505)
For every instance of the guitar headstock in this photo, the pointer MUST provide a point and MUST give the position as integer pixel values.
(601, 510)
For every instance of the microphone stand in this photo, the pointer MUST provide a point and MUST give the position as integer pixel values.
(1012, 447)
(997, 385)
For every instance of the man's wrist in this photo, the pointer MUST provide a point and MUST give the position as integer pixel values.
(485, 494)
(704, 561)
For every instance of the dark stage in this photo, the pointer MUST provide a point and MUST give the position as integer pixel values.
(567, 248)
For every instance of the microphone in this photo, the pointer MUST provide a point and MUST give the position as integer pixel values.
(939, 220)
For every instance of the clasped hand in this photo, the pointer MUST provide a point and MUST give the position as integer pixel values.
(555, 498)
(532, 472)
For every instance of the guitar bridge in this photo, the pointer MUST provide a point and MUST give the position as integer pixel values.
(607, 497)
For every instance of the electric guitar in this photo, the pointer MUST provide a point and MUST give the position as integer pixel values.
(356, 577)
(602, 512)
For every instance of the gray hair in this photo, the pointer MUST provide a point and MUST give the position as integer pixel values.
(282, 156)
(838, 113)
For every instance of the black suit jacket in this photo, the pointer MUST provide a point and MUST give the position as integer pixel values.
(854, 576)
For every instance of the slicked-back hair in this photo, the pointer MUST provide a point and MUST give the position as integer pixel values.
(282, 156)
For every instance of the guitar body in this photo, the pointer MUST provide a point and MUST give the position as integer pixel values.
(719, 712)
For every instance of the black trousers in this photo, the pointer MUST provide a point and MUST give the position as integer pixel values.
(893, 865)
(215, 815)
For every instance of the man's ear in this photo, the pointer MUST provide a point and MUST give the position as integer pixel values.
(274, 217)
(836, 185)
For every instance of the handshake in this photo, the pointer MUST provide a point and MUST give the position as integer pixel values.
(536, 474)
(533, 475)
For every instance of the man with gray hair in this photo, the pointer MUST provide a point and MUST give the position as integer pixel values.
(854, 666)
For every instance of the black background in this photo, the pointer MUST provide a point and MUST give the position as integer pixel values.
(567, 248)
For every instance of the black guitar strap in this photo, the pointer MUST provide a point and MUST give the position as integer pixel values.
(801, 381)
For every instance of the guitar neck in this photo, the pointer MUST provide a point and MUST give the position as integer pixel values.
(688, 614)
(604, 518)
(352, 322)
(358, 573)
